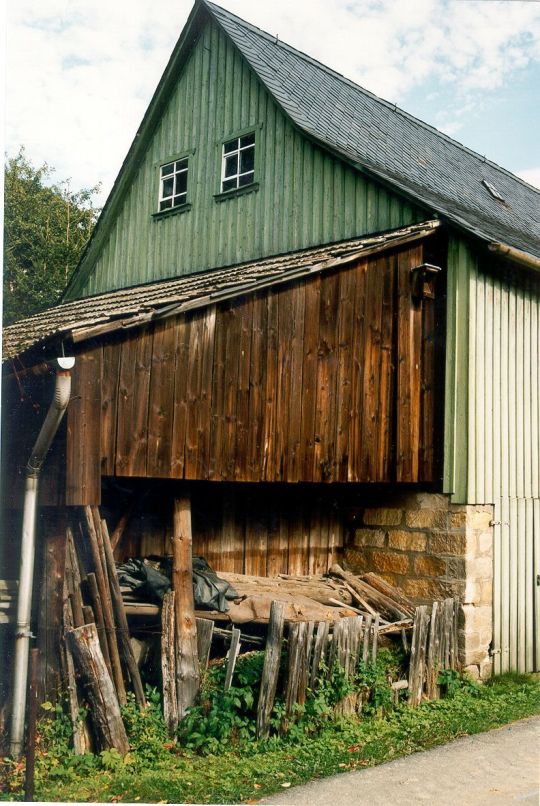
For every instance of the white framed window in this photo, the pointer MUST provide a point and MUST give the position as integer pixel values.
(173, 179)
(238, 162)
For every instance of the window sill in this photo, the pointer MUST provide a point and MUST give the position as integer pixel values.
(182, 208)
(230, 194)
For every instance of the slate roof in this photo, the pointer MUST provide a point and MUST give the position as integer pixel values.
(130, 307)
(391, 144)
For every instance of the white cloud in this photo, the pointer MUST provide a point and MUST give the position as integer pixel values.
(81, 72)
(531, 175)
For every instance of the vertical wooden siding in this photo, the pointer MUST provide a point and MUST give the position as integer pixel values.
(305, 197)
(249, 529)
(492, 435)
(318, 381)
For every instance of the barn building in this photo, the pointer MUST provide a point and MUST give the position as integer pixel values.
(318, 317)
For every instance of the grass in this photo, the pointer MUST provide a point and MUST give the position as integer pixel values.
(245, 774)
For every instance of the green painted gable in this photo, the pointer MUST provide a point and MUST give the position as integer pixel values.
(305, 195)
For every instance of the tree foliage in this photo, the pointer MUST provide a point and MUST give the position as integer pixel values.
(46, 227)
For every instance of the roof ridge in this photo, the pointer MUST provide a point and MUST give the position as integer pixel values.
(482, 159)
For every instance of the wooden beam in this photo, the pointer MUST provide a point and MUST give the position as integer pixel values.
(84, 645)
(187, 666)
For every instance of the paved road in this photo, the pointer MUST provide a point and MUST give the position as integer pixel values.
(495, 768)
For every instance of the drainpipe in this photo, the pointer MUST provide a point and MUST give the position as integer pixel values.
(49, 428)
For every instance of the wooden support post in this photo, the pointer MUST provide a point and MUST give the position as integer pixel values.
(187, 667)
(232, 657)
(98, 612)
(418, 656)
(367, 632)
(79, 739)
(103, 586)
(375, 639)
(272, 659)
(205, 631)
(121, 618)
(168, 664)
(105, 710)
(433, 662)
(319, 647)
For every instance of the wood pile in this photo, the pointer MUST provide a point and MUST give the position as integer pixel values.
(338, 617)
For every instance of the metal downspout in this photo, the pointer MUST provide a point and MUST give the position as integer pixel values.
(46, 435)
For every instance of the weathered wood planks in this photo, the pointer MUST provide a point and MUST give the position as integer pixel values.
(329, 378)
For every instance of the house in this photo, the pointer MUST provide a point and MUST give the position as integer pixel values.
(318, 317)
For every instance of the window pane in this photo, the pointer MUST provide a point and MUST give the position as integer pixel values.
(181, 165)
(181, 199)
(229, 184)
(165, 204)
(246, 179)
(167, 169)
(231, 165)
(167, 187)
(247, 160)
(232, 145)
(181, 182)
(247, 139)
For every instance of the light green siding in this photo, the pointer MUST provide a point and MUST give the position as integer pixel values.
(305, 196)
(492, 434)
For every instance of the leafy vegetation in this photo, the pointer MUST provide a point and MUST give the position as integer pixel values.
(223, 763)
(46, 227)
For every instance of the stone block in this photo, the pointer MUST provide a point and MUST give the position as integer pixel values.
(473, 671)
(483, 618)
(457, 519)
(486, 669)
(473, 592)
(486, 592)
(358, 561)
(429, 501)
(407, 541)
(381, 516)
(475, 656)
(485, 543)
(426, 589)
(485, 637)
(447, 543)
(479, 568)
(387, 561)
(369, 537)
(479, 518)
(429, 566)
(426, 519)
(455, 567)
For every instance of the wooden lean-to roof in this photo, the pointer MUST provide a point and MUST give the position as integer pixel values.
(80, 320)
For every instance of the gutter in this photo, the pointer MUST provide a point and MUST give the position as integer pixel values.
(23, 634)
(515, 255)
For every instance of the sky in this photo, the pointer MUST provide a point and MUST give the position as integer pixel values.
(80, 73)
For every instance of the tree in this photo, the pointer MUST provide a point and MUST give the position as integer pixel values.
(46, 227)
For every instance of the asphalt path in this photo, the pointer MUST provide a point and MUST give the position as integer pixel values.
(495, 768)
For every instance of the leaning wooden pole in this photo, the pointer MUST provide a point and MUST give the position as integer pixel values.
(187, 665)
(121, 618)
(104, 707)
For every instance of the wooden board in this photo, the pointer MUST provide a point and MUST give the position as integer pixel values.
(83, 449)
(328, 379)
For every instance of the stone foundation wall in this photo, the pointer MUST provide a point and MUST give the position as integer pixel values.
(432, 549)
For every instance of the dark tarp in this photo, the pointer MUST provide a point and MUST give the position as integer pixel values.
(150, 579)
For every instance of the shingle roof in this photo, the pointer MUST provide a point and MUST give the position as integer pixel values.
(390, 143)
(128, 307)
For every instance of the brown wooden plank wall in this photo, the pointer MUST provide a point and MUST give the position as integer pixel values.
(248, 529)
(322, 380)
